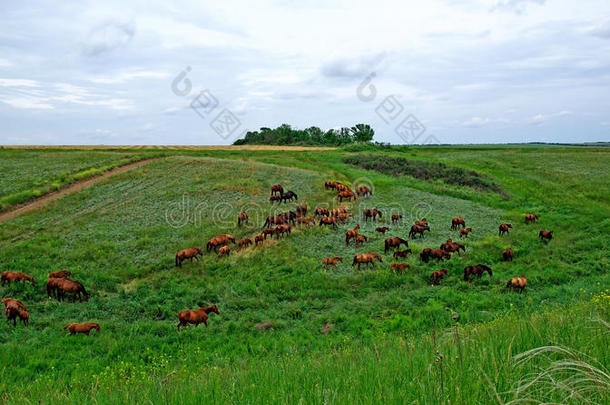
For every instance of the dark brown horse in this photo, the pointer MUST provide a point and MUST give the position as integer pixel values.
(268, 231)
(321, 212)
(196, 316)
(351, 234)
(418, 229)
(545, 235)
(12, 309)
(301, 210)
(10, 276)
(275, 220)
(402, 253)
(476, 270)
(382, 229)
(275, 198)
(245, 242)
(242, 218)
(529, 218)
(437, 276)
(367, 258)
(277, 189)
(60, 274)
(280, 230)
(84, 328)
(189, 253)
(394, 243)
(437, 254)
(371, 213)
(360, 239)
(517, 283)
(363, 191)
(508, 255)
(452, 247)
(396, 218)
(289, 196)
(332, 221)
(259, 239)
(330, 185)
(503, 229)
(457, 222)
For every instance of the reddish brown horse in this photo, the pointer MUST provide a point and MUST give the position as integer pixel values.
(13, 302)
(347, 194)
(517, 283)
(219, 241)
(529, 218)
(85, 328)
(245, 242)
(457, 222)
(268, 231)
(189, 253)
(396, 218)
(259, 239)
(275, 198)
(363, 191)
(332, 221)
(464, 232)
(545, 235)
(301, 210)
(399, 268)
(65, 285)
(452, 247)
(10, 276)
(25, 317)
(360, 239)
(196, 316)
(382, 229)
(418, 229)
(367, 258)
(281, 230)
(371, 213)
(331, 261)
(306, 221)
(422, 222)
(351, 234)
(437, 276)
(394, 243)
(437, 254)
(277, 189)
(402, 253)
(503, 229)
(338, 211)
(476, 270)
(242, 218)
(13, 308)
(275, 220)
(321, 212)
(342, 218)
(224, 251)
(341, 187)
(330, 185)
(60, 274)
(508, 255)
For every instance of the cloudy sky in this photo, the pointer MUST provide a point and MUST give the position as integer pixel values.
(203, 72)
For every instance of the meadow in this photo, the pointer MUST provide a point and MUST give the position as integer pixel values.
(119, 238)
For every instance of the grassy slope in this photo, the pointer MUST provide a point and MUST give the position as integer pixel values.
(115, 237)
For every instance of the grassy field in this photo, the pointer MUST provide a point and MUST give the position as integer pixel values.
(119, 238)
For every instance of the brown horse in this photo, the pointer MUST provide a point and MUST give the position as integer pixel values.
(418, 229)
(242, 218)
(363, 191)
(395, 242)
(457, 222)
(331, 261)
(85, 328)
(60, 274)
(321, 212)
(301, 210)
(368, 258)
(508, 255)
(382, 229)
(25, 317)
(371, 213)
(438, 254)
(531, 218)
(330, 185)
(13, 302)
(289, 196)
(268, 231)
(12, 309)
(189, 253)
(503, 229)
(341, 187)
(338, 211)
(545, 235)
(452, 247)
(476, 270)
(399, 268)
(275, 220)
(277, 189)
(53, 287)
(275, 198)
(396, 218)
(10, 276)
(196, 316)
(402, 253)
(219, 241)
(342, 218)
(422, 222)
(245, 242)
(65, 285)
(328, 221)
(259, 239)
(280, 230)
(360, 239)
(224, 251)
(346, 194)
(517, 283)
(351, 234)
(437, 276)
(464, 232)
(306, 221)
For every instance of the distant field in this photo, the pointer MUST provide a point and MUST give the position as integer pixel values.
(119, 238)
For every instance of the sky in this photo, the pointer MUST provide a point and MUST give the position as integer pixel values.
(204, 72)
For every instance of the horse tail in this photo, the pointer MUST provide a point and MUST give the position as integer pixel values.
(176, 259)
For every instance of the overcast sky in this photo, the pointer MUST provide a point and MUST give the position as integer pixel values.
(129, 72)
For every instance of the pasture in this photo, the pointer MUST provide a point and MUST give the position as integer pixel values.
(381, 330)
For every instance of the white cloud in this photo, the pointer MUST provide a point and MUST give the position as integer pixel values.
(539, 119)
(122, 77)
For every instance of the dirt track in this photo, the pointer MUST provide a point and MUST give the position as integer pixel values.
(73, 188)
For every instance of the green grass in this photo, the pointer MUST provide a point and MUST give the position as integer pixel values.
(116, 238)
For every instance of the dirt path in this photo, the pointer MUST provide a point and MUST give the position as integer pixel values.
(73, 188)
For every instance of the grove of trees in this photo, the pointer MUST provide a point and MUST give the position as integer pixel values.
(286, 135)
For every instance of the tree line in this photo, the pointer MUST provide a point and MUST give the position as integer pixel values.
(286, 135)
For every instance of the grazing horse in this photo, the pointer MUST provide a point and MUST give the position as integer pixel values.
(476, 270)
(331, 261)
(189, 253)
(306, 221)
(508, 255)
(396, 218)
(394, 242)
(351, 234)
(343, 217)
(328, 221)
(452, 247)
(368, 258)
(545, 235)
(503, 229)
(464, 232)
(12, 309)
(382, 229)
(280, 230)
(422, 222)
(531, 218)
(268, 231)
(52, 287)
(13, 302)
(402, 253)
(360, 239)
(346, 194)
(418, 229)
(289, 196)
(259, 239)
(363, 191)
(25, 317)
(224, 251)
(10, 276)
(330, 185)
(321, 212)
(371, 213)
(341, 187)
(219, 241)
(277, 189)
(85, 328)
(338, 211)
(399, 268)
(245, 242)
(301, 210)
(438, 254)
(65, 285)
(196, 316)
(517, 283)
(437, 276)
(275, 220)
(60, 274)
(242, 217)
(275, 198)
(457, 222)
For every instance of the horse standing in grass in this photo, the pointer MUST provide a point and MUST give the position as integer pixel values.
(351, 234)
(396, 218)
(363, 191)
(529, 218)
(275, 198)
(65, 285)
(437, 276)
(503, 229)
(259, 239)
(452, 247)
(330, 185)
(60, 274)
(289, 196)
(545, 235)
(346, 194)
(301, 210)
(331, 261)
(10, 276)
(382, 229)
(196, 316)
(360, 239)
(418, 229)
(306, 221)
(84, 328)
(219, 241)
(328, 221)
(457, 222)
(399, 268)
(402, 253)
(321, 212)
(394, 243)
(508, 255)
(517, 283)
(422, 222)
(242, 218)
(277, 189)
(12, 309)
(245, 242)
(280, 230)
(464, 232)
(371, 213)
(268, 231)
(189, 253)
(476, 270)
(224, 251)
(367, 258)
